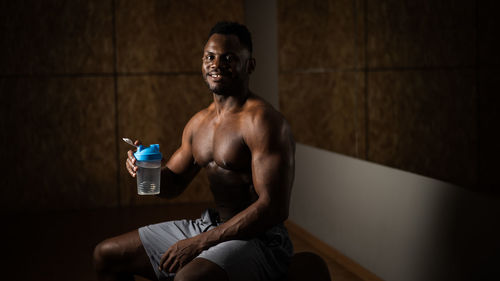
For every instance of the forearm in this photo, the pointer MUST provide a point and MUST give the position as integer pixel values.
(249, 223)
(171, 184)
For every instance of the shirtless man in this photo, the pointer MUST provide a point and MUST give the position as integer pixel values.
(247, 149)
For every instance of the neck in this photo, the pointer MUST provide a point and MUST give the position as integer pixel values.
(230, 103)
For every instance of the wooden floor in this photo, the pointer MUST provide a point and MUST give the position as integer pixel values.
(302, 243)
(58, 245)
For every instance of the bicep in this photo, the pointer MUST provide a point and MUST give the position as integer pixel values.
(272, 174)
(182, 161)
(273, 164)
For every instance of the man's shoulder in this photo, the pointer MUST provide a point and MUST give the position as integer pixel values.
(263, 121)
(260, 112)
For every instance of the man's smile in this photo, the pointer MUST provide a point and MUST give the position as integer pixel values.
(216, 77)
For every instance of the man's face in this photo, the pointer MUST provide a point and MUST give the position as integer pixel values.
(225, 64)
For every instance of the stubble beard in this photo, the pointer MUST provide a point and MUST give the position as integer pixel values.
(216, 89)
(223, 89)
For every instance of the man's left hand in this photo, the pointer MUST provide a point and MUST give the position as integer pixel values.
(179, 254)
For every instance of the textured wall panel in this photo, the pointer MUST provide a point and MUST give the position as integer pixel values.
(420, 33)
(167, 36)
(326, 110)
(425, 122)
(155, 109)
(58, 143)
(488, 26)
(319, 34)
(489, 135)
(56, 36)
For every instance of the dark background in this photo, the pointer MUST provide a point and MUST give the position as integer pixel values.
(407, 84)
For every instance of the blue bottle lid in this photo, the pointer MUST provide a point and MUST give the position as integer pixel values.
(148, 153)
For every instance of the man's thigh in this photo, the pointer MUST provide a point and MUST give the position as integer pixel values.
(245, 260)
(201, 269)
(158, 238)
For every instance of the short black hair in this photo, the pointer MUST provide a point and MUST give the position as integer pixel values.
(233, 28)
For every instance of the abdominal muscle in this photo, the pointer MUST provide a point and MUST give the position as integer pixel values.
(232, 190)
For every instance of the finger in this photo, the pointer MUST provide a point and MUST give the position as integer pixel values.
(132, 164)
(173, 268)
(130, 169)
(169, 264)
(163, 259)
(131, 156)
(137, 142)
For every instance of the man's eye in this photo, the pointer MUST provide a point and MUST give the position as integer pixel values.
(229, 58)
(209, 57)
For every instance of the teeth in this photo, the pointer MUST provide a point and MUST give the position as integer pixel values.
(215, 75)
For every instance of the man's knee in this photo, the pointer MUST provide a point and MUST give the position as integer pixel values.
(106, 254)
(122, 256)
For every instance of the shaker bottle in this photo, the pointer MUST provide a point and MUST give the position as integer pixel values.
(148, 174)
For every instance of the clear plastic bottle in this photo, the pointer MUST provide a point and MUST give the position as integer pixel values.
(148, 174)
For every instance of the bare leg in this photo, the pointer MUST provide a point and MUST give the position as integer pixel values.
(120, 257)
(201, 269)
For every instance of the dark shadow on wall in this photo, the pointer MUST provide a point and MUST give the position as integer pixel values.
(471, 239)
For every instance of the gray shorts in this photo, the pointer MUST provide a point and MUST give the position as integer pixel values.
(265, 257)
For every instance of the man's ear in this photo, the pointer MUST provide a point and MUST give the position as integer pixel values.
(250, 65)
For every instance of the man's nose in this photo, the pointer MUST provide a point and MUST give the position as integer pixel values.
(218, 62)
(215, 63)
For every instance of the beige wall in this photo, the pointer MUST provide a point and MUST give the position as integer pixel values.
(396, 224)
(77, 76)
(405, 84)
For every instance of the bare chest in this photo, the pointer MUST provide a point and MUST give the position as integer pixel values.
(221, 143)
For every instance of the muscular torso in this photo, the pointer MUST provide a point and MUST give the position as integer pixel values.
(218, 145)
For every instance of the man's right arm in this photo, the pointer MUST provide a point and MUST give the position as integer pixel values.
(179, 170)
